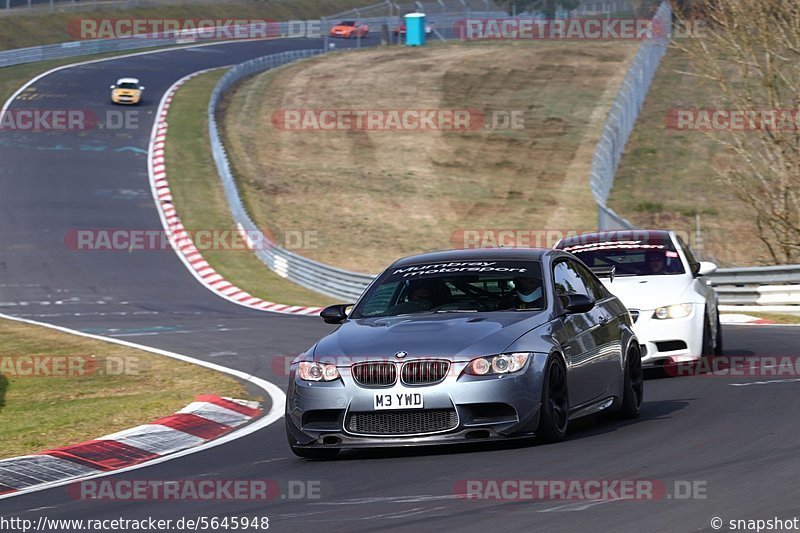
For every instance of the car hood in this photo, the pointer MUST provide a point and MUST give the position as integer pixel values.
(430, 335)
(649, 292)
(126, 92)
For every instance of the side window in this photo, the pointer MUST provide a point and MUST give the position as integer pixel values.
(568, 280)
(595, 287)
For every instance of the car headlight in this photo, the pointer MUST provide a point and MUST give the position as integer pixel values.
(506, 363)
(673, 311)
(311, 371)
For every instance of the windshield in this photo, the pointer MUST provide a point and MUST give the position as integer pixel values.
(127, 86)
(347, 23)
(634, 257)
(457, 286)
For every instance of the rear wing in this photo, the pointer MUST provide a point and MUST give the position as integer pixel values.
(605, 272)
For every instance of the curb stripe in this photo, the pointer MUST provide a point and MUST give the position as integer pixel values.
(170, 220)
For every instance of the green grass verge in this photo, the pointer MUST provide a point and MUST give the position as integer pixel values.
(37, 28)
(44, 412)
(200, 201)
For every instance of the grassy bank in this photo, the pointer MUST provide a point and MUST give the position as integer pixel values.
(668, 176)
(375, 195)
(110, 388)
(200, 200)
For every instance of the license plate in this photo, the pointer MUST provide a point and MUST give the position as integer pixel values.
(398, 400)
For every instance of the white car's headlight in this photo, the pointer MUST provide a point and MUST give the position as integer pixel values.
(506, 363)
(673, 311)
(311, 371)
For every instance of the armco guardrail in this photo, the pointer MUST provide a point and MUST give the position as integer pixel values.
(334, 282)
(761, 286)
(622, 117)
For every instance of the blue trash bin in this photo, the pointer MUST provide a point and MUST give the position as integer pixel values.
(415, 29)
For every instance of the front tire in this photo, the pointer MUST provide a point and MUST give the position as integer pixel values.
(718, 345)
(554, 416)
(633, 392)
(708, 343)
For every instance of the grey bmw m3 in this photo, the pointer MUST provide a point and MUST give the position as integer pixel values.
(465, 346)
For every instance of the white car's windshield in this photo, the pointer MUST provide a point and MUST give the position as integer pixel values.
(653, 257)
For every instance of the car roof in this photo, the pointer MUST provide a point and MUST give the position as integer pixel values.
(618, 235)
(127, 80)
(475, 254)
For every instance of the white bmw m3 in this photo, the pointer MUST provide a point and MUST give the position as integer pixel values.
(656, 276)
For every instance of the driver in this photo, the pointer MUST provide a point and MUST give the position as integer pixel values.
(421, 296)
(528, 294)
(655, 263)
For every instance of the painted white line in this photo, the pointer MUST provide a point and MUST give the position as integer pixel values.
(770, 382)
(275, 413)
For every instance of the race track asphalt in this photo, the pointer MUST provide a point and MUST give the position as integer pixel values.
(740, 443)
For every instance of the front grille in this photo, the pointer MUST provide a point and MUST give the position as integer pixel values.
(424, 372)
(375, 374)
(403, 422)
(634, 315)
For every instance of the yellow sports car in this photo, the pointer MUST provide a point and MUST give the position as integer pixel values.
(127, 91)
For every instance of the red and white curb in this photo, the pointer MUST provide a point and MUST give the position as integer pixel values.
(739, 318)
(205, 419)
(182, 243)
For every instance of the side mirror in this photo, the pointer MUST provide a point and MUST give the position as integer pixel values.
(141, 87)
(706, 268)
(113, 87)
(577, 303)
(335, 314)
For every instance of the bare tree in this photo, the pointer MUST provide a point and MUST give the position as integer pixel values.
(750, 51)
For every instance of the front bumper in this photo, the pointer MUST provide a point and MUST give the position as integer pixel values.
(320, 415)
(126, 99)
(674, 340)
